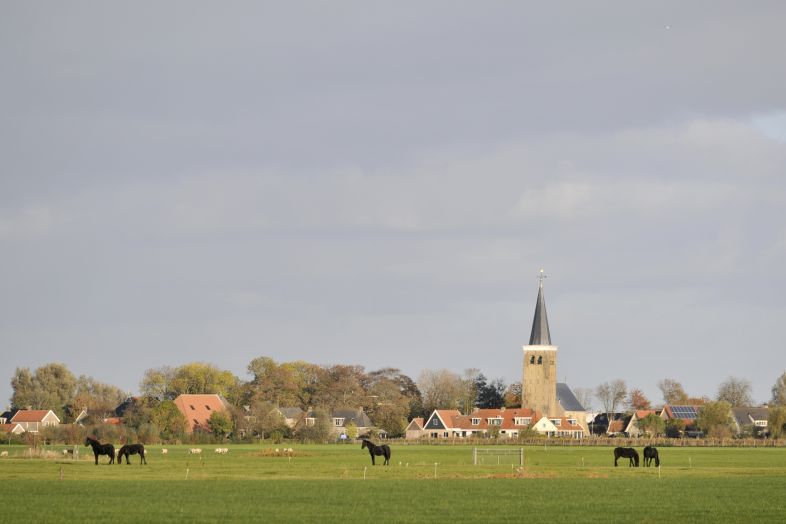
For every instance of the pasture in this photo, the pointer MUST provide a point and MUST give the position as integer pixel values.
(331, 482)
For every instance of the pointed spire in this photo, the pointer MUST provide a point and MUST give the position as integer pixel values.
(540, 335)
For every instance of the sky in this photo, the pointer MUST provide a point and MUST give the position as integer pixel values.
(378, 184)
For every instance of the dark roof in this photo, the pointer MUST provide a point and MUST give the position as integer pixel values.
(358, 415)
(540, 335)
(746, 415)
(567, 399)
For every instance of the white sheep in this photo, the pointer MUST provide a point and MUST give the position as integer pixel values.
(3, 453)
(222, 450)
(164, 451)
(194, 451)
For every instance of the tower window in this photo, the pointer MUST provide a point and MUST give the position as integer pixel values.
(532, 359)
(540, 360)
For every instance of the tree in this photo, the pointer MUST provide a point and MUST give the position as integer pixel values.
(776, 421)
(169, 419)
(637, 400)
(714, 419)
(779, 391)
(97, 398)
(490, 395)
(220, 423)
(735, 391)
(673, 393)
(470, 381)
(611, 395)
(51, 386)
(157, 383)
(441, 389)
(652, 424)
(674, 428)
(320, 431)
(512, 396)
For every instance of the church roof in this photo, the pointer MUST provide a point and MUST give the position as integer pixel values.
(567, 399)
(540, 335)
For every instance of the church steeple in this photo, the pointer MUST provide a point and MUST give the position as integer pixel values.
(540, 335)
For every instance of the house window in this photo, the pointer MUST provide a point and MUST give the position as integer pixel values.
(760, 423)
(338, 422)
(572, 421)
(522, 421)
(192, 407)
(475, 421)
(494, 421)
(310, 421)
(207, 407)
(555, 421)
(540, 360)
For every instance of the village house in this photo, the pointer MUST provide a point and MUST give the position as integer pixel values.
(11, 429)
(751, 421)
(632, 429)
(502, 423)
(34, 420)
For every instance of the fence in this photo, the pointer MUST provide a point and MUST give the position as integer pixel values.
(479, 455)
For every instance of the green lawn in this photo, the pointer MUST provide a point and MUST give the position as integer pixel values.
(327, 482)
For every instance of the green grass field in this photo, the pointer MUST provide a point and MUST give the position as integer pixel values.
(338, 482)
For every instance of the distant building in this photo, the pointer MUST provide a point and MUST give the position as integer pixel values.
(13, 429)
(752, 421)
(198, 409)
(34, 420)
(502, 423)
(539, 388)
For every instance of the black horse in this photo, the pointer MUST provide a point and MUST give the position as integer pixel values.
(651, 453)
(373, 450)
(101, 449)
(628, 453)
(131, 449)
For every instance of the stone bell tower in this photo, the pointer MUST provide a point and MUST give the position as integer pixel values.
(539, 381)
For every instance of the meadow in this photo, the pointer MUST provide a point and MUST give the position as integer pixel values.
(329, 482)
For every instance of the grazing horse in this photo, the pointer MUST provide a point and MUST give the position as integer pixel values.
(131, 449)
(373, 450)
(628, 453)
(649, 454)
(101, 449)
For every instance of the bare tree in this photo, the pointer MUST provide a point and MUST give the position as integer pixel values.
(611, 395)
(673, 392)
(779, 391)
(735, 391)
(441, 389)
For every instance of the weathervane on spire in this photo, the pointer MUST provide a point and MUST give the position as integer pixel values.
(542, 276)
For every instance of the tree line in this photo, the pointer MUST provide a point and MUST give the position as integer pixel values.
(389, 397)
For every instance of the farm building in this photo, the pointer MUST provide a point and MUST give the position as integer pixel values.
(198, 409)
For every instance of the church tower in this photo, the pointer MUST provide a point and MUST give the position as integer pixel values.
(539, 384)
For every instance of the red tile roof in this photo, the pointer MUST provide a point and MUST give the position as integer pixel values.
(198, 408)
(30, 415)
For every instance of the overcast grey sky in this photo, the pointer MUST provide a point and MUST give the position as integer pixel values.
(379, 183)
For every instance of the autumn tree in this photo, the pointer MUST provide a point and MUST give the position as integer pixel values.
(469, 389)
(512, 396)
(51, 386)
(96, 397)
(220, 423)
(779, 391)
(441, 389)
(169, 420)
(405, 385)
(776, 422)
(714, 419)
(637, 400)
(673, 392)
(652, 424)
(735, 391)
